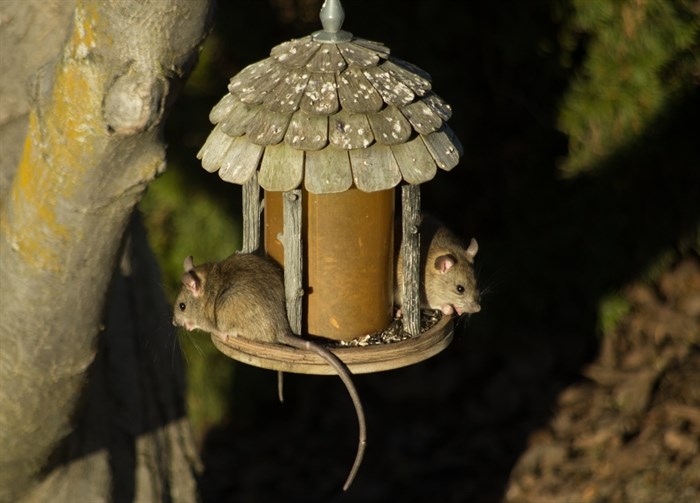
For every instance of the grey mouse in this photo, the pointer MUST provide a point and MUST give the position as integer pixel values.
(447, 280)
(243, 296)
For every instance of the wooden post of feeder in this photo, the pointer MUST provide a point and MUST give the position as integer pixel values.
(410, 257)
(251, 215)
(293, 258)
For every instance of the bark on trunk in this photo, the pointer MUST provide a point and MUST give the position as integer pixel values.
(91, 405)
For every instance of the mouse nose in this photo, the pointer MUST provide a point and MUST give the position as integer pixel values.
(471, 308)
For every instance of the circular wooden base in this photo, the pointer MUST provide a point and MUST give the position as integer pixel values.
(360, 360)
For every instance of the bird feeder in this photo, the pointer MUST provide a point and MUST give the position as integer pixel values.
(321, 135)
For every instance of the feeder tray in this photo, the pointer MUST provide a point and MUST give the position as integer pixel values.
(360, 360)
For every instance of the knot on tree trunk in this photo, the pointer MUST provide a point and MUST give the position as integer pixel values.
(134, 103)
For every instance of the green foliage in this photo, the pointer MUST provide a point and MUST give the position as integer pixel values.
(209, 381)
(611, 310)
(183, 221)
(638, 56)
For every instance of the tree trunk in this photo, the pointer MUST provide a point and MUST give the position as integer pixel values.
(91, 388)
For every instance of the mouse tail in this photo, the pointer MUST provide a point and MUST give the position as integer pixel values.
(280, 386)
(345, 375)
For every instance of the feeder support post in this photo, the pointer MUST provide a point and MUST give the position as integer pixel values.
(293, 263)
(251, 215)
(410, 256)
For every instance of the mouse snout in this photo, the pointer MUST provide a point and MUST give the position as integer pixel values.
(469, 308)
(469, 305)
(474, 304)
(181, 322)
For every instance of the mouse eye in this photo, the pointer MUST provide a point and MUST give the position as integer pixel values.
(460, 289)
(182, 306)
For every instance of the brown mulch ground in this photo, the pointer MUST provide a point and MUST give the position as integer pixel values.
(631, 431)
(479, 423)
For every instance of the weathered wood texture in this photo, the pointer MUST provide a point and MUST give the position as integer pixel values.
(252, 207)
(410, 258)
(324, 100)
(293, 258)
(360, 360)
(93, 143)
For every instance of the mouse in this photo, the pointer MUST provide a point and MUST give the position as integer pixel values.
(243, 296)
(447, 279)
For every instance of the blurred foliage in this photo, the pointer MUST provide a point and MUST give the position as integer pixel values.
(639, 56)
(604, 89)
(612, 309)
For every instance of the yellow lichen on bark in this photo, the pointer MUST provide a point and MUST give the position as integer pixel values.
(74, 122)
(74, 117)
(61, 145)
(37, 207)
(83, 39)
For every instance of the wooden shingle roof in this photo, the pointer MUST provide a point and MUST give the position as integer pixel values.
(330, 115)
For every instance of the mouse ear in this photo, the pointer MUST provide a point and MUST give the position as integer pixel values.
(444, 263)
(191, 281)
(472, 249)
(189, 264)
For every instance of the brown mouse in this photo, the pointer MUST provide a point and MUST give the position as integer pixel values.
(243, 296)
(447, 280)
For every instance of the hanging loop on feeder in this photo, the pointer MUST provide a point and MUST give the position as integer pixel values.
(332, 17)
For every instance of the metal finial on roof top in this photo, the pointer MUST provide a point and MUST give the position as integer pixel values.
(332, 17)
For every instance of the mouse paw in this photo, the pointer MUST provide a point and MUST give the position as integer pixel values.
(447, 309)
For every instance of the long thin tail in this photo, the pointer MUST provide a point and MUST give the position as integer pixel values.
(280, 386)
(346, 376)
